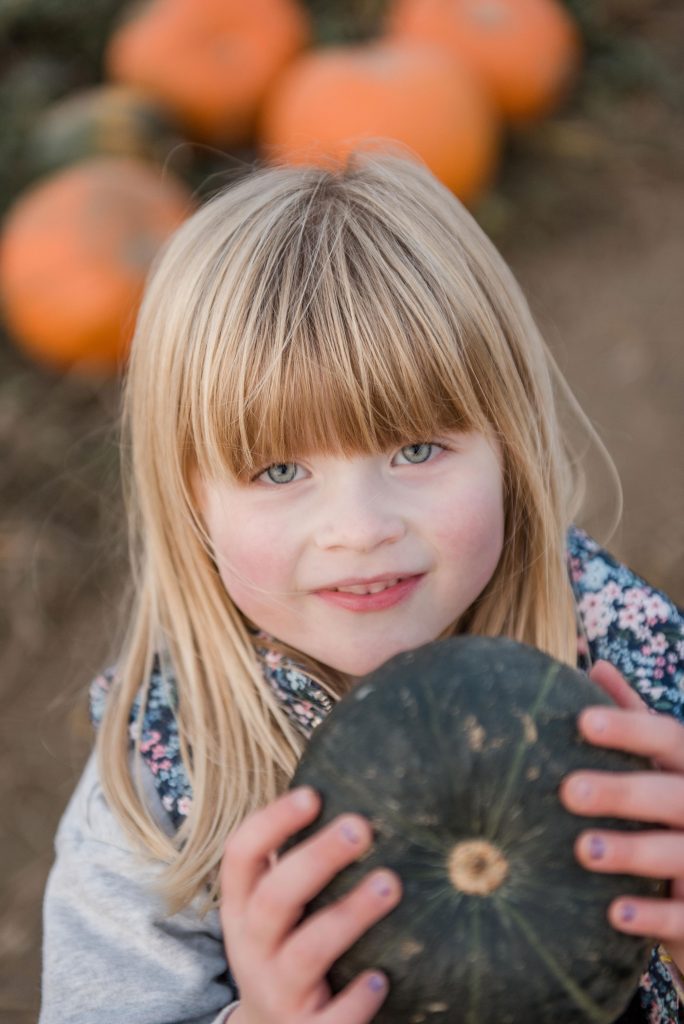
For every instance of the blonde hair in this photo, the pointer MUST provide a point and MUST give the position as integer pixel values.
(305, 309)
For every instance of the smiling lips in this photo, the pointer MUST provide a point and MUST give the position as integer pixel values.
(371, 595)
(369, 588)
(367, 584)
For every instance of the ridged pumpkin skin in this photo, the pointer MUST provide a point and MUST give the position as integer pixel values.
(74, 253)
(455, 753)
(208, 61)
(106, 119)
(527, 52)
(333, 101)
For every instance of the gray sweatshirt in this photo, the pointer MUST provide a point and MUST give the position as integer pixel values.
(110, 953)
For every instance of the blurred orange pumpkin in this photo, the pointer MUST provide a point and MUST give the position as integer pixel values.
(332, 101)
(74, 253)
(208, 61)
(528, 52)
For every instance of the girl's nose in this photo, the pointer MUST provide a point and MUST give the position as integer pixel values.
(359, 525)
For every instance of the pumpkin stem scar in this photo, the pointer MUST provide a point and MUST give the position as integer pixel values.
(521, 750)
(574, 991)
(477, 867)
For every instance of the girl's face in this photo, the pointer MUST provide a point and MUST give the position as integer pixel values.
(311, 551)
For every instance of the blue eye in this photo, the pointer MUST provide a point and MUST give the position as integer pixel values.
(281, 472)
(286, 472)
(417, 453)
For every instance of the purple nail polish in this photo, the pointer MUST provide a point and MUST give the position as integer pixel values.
(582, 789)
(376, 982)
(597, 848)
(627, 912)
(382, 885)
(350, 833)
(597, 721)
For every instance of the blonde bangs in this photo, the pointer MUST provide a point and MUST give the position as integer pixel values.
(343, 350)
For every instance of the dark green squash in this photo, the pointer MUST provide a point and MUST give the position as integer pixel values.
(106, 119)
(455, 752)
(353, 21)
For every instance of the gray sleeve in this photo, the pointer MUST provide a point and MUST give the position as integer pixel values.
(110, 952)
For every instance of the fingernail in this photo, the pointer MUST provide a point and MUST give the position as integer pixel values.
(377, 982)
(596, 721)
(581, 790)
(350, 832)
(627, 912)
(597, 848)
(382, 885)
(304, 798)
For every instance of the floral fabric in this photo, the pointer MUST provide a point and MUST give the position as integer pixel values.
(627, 622)
(621, 619)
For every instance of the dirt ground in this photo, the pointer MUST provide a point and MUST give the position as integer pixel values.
(590, 214)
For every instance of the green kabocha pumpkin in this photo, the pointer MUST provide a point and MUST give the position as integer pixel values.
(351, 21)
(106, 120)
(27, 86)
(455, 753)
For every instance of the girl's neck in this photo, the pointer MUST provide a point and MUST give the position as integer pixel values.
(333, 681)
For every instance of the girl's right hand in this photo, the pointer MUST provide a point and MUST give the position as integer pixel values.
(280, 964)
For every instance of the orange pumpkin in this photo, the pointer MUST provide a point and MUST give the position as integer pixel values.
(332, 101)
(208, 61)
(74, 253)
(528, 52)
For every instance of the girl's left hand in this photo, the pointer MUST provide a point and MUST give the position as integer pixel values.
(654, 796)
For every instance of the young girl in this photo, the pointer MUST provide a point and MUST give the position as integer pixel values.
(343, 438)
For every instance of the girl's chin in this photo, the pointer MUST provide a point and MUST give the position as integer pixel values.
(356, 668)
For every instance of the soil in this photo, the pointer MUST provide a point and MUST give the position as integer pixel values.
(589, 212)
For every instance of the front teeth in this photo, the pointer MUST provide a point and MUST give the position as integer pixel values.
(371, 588)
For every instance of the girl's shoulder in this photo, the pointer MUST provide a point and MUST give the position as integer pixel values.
(625, 620)
(157, 727)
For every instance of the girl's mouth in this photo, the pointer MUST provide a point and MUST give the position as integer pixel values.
(369, 588)
(371, 597)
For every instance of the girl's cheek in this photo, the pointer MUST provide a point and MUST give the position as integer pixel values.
(253, 565)
(251, 553)
(471, 525)
(472, 541)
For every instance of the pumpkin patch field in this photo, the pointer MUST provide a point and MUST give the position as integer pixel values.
(191, 88)
(560, 124)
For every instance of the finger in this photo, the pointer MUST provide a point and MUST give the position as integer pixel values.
(662, 920)
(281, 896)
(648, 854)
(615, 685)
(359, 1002)
(248, 851)
(326, 935)
(655, 736)
(639, 796)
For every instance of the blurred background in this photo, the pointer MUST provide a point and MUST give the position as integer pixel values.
(560, 124)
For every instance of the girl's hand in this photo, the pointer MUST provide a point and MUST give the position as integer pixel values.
(655, 796)
(278, 963)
